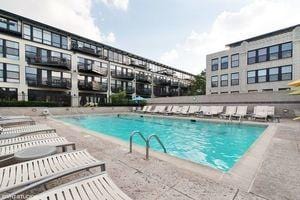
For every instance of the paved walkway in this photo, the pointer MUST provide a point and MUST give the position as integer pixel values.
(278, 177)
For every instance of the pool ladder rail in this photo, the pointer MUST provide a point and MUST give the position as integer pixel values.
(147, 141)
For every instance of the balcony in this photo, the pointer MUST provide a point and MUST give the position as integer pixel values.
(50, 61)
(135, 64)
(92, 86)
(128, 76)
(162, 82)
(143, 78)
(143, 91)
(174, 84)
(55, 83)
(84, 50)
(92, 69)
(14, 30)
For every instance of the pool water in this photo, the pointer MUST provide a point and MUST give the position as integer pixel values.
(218, 145)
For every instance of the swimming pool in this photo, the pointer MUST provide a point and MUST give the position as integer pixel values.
(218, 145)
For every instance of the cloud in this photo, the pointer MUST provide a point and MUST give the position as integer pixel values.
(70, 15)
(119, 4)
(258, 17)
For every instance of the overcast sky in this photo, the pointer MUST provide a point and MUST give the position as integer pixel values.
(175, 32)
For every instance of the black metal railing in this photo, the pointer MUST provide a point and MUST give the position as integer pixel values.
(162, 82)
(50, 61)
(55, 83)
(143, 91)
(83, 49)
(128, 76)
(90, 68)
(143, 78)
(92, 86)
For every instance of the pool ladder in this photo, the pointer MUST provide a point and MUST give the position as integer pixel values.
(147, 141)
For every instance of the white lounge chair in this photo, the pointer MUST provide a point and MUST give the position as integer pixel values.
(143, 110)
(184, 110)
(263, 112)
(174, 110)
(95, 187)
(46, 169)
(162, 109)
(149, 109)
(12, 122)
(214, 111)
(241, 112)
(22, 130)
(155, 110)
(27, 138)
(168, 110)
(9, 150)
(14, 117)
(230, 110)
(193, 110)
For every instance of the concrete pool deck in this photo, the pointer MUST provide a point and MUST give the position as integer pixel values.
(274, 174)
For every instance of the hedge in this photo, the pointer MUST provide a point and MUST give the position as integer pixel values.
(125, 103)
(28, 104)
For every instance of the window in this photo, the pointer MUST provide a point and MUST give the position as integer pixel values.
(1, 72)
(235, 60)
(214, 81)
(37, 34)
(214, 64)
(262, 55)
(1, 48)
(9, 94)
(12, 50)
(64, 42)
(286, 50)
(262, 76)
(235, 79)
(30, 51)
(47, 37)
(251, 57)
(274, 74)
(224, 62)
(224, 80)
(251, 76)
(286, 73)
(31, 75)
(13, 25)
(55, 40)
(27, 32)
(274, 52)
(12, 73)
(3, 23)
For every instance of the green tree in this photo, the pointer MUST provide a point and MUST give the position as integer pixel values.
(198, 85)
(119, 98)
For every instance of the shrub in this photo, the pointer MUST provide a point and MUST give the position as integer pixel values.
(28, 104)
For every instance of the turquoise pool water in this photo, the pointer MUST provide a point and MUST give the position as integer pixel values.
(217, 145)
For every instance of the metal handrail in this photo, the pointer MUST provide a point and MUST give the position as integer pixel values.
(148, 144)
(131, 137)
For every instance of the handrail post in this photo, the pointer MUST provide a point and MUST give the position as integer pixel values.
(131, 139)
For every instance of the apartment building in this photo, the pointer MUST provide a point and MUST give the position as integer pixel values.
(39, 62)
(260, 64)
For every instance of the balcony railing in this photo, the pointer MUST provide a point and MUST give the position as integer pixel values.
(174, 84)
(143, 78)
(55, 83)
(128, 76)
(143, 91)
(92, 86)
(134, 64)
(162, 82)
(83, 49)
(92, 69)
(129, 90)
(12, 30)
(50, 61)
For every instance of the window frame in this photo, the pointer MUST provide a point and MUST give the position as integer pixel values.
(235, 60)
(212, 82)
(235, 79)
(215, 67)
(223, 81)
